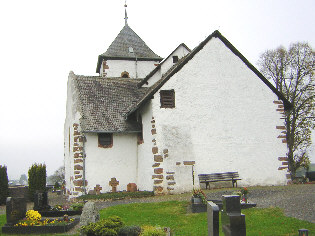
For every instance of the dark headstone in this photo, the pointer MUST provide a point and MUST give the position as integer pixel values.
(233, 221)
(213, 219)
(303, 232)
(15, 209)
(41, 201)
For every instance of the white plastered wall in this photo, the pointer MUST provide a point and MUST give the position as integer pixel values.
(145, 156)
(224, 120)
(181, 51)
(72, 116)
(135, 69)
(119, 161)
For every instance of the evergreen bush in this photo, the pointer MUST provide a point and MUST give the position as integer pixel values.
(133, 230)
(36, 179)
(4, 185)
(105, 227)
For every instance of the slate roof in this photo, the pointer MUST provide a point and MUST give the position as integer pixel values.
(119, 49)
(181, 63)
(103, 102)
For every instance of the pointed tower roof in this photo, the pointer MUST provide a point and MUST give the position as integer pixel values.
(128, 46)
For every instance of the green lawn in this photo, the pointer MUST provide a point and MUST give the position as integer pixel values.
(269, 221)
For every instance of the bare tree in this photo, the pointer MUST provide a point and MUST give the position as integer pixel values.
(292, 71)
(58, 176)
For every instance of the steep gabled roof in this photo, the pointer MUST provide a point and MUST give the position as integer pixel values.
(119, 49)
(103, 102)
(142, 82)
(154, 88)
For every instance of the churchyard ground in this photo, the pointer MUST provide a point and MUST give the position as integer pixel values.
(297, 201)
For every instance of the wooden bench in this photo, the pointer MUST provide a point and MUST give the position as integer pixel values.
(217, 177)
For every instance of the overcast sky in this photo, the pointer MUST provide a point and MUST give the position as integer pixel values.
(41, 41)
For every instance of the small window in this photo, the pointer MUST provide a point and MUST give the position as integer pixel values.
(167, 98)
(140, 134)
(105, 140)
(175, 59)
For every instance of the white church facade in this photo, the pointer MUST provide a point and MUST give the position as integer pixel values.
(151, 121)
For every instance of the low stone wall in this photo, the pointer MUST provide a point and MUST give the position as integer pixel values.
(19, 191)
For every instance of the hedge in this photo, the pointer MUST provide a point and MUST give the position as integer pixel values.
(4, 185)
(36, 179)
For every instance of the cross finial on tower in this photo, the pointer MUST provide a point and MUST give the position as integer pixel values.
(126, 17)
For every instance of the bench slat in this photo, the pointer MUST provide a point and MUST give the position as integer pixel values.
(217, 177)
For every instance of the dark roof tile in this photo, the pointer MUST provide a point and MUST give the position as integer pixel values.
(103, 102)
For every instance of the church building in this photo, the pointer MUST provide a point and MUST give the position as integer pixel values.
(155, 122)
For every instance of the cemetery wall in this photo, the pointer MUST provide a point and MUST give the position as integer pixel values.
(19, 191)
(225, 119)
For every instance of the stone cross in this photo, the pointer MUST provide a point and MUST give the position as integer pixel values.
(113, 182)
(98, 189)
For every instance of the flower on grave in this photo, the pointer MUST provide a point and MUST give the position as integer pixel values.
(33, 215)
(198, 193)
(244, 191)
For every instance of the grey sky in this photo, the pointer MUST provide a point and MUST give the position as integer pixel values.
(41, 41)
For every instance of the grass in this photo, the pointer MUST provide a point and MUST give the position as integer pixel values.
(117, 195)
(173, 214)
(269, 221)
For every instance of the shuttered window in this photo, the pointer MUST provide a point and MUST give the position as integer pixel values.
(105, 140)
(167, 98)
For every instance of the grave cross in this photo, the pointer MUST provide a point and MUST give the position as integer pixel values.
(113, 182)
(97, 189)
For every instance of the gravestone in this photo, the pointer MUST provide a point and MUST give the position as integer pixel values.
(15, 209)
(131, 187)
(213, 218)
(89, 214)
(41, 201)
(233, 221)
(97, 189)
(113, 182)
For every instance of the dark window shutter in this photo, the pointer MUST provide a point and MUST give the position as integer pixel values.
(167, 98)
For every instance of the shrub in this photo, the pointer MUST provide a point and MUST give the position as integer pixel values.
(36, 179)
(152, 231)
(105, 227)
(4, 187)
(133, 230)
(77, 206)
